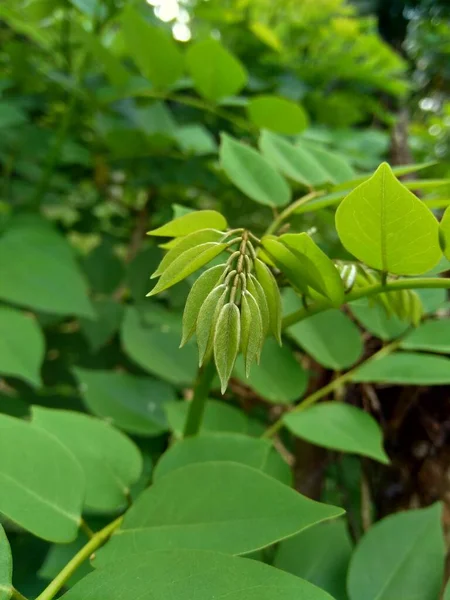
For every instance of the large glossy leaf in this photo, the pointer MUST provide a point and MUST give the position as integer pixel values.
(277, 114)
(252, 173)
(153, 50)
(110, 460)
(401, 556)
(373, 317)
(406, 368)
(5, 567)
(337, 351)
(294, 162)
(340, 427)
(230, 447)
(41, 484)
(433, 336)
(157, 351)
(200, 575)
(43, 275)
(384, 225)
(218, 417)
(190, 222)
(279, 378)
(22, 346)
(215, 71)
(134, 404)
(320, 555)
(223, 506)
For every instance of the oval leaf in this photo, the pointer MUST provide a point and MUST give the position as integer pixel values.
(401, 556)
(433, 336)
(227, 337)
(222, 74)
(5, 567)
(218, 417)
(252, 173)
(384, 225)
(340, 427)
(110, 460)
(42, 485)
(220, 506)
(277, 114)
(200, 575)
(405, 368)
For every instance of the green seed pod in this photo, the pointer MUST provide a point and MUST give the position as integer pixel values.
(251, 330)
(256, 290)
(206, 320)
(227, 337)
(272, 293)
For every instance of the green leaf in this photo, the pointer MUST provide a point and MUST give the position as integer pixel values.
(335, 166)
(401, 556)
(277, 114)
(207, 320)
(432, 299)
(192, 240)
(200, 575)
(252, 173)
(218, 417)
(398, 170)
(44, 274)
(272, 294)
(227, 338)
(279, 378)
(267, 318)
(22, 346)
(251, 330)
(152, 49)
(42, 485)
(230, 447)
(338, 351)
(196, 139)
(198, 294)
(134, 404)
(109, 314)
(340, 427)
(190, 222)
(374, 319)
(331, 281)
(215, 71)
(10, 115)
(187, 263)
(110, 460)
(294, 162)
(433, 336)
(325, 563)
(5, 567)
(157, 351)
(384, 225)
(221, 506)
(406, 368)
(444, 233)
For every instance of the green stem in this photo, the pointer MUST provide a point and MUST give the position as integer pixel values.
(330, 387)
(197, 406)
(60, 580)
(16, 595)
(366, 292)
(87, 530)
(289, 210)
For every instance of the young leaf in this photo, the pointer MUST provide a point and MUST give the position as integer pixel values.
(251, 330)
(384, 225)
(227, 337)
(152, 49)
(331, 281)
(292, 161)
(200, 575)
(110, 460)
(215, 71)
(272, 294)
(207, 320)
(190, 222)
(198, 294)
(187, 263)
(252, 173)
(444, 233)
(218, 506)
(340, 427)
(42, 485)
(257, 291)
(192, 240)
(277, 114)
(5, 567)
(401, 556)
(406, 368)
